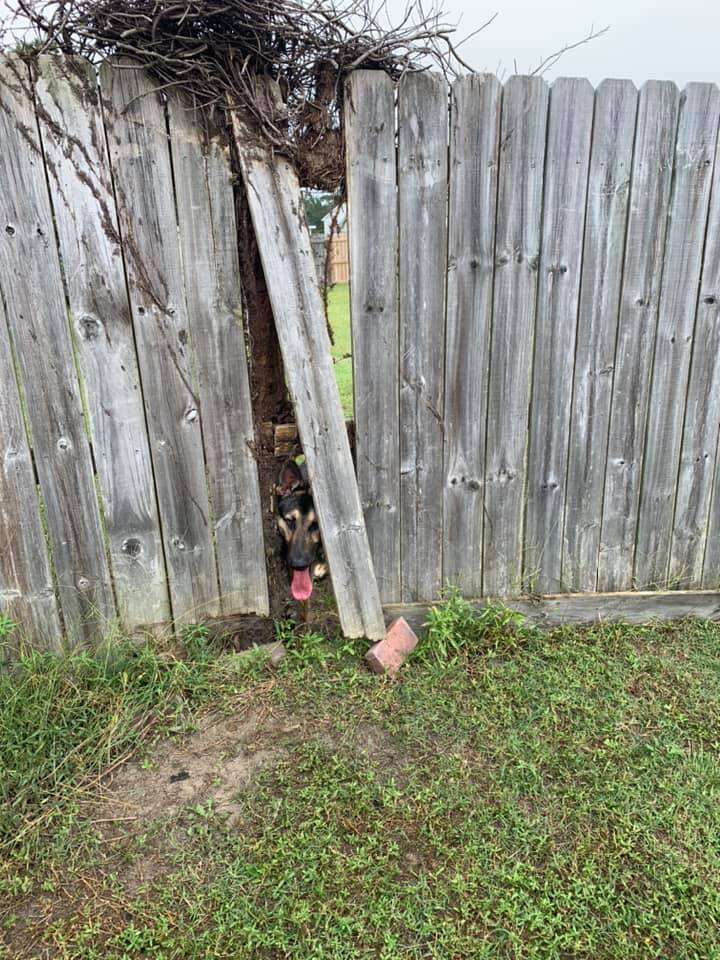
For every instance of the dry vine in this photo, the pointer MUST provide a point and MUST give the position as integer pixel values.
(214, 50)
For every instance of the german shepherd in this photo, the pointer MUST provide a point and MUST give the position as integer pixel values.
(297, 522)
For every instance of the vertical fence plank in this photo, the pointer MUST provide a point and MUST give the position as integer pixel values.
(137, 136)
(474, 139)
(517, 253)
(79, 177)
(606, 222)
(284, 242)
(423, 167)
(566, 180)
(208, 238)
(26, 589)
(697, 519)
(694, 155)
(649, 196)
(373, 225)
(31, 283)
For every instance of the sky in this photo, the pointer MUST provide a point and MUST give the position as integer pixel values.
(662, 40)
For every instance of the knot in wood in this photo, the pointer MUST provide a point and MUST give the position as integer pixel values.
(132, 547)
(10, 230)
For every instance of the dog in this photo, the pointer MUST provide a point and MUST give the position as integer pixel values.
(297, 523)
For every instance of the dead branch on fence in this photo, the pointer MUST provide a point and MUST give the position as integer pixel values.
(215, 49)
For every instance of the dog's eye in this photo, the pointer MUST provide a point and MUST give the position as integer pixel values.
(313, 527)
(289, 522)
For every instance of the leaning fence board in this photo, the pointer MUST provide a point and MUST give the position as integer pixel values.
(474, 140)
(208, 237)
(422, 177)
(649, 197)
(687, 219)
(552, 611)
(275, 203)
(517, 253)
(79, 178)
(137, 137)
(566, 175)
(373, 225)
(606, 221)
(32, 287)
(26, 589)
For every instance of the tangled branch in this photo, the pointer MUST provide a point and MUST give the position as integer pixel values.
(214, 50)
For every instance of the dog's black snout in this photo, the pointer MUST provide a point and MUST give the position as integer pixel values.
(299, 559)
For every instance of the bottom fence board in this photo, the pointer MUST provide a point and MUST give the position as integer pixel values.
(557, 609)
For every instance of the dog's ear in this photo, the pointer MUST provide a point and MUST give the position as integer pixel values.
(291, 476)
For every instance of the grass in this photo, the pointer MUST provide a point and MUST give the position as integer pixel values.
(514, 795)
(339, 317)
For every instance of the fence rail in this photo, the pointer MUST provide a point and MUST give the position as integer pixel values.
(555, 293)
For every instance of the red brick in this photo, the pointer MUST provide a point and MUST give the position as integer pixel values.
(389, 654)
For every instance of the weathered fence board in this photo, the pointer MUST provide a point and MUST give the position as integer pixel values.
(139, 153)
(687, 219)
(79, 177)
(474, 141)
(606, 222)
(423, 170)
(32, 288)
(566, 174)
(696, 543)
(645, 244)
(275, 205)
(372, 192)
(208, 238)
(26, 588)
(517, 254)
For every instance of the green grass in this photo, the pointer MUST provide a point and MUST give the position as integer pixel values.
(514, 795)
(339, 317)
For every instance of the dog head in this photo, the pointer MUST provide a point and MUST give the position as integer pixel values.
(298, 525)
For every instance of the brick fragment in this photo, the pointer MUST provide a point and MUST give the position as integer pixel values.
(390, 653)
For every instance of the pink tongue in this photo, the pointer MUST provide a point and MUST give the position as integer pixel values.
(301, 586)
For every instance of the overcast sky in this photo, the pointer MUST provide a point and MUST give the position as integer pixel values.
(648, 39)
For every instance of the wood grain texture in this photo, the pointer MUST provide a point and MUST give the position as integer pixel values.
(474, 140)
(687, 220)
(26, 588)
(137, 137)
(696, 538)
(423, 172)
(642, 273)
(276, 208)
(555, 610)
(517, 255)
(32, 288)
(606, 222)
(73, 138)
(208, 239)
(371, 158)
(566, 178)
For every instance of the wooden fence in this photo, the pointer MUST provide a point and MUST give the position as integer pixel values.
(129, 487)
(535, 291)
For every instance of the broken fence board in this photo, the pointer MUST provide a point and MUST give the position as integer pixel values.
(139, 153)
(208, 237)
(79, 177)
(687, 219)
(588, 608)
(275, 203)
(566, 180)
(606, 222)
(26, 588)
(32, 288)
(642, 273)
(423, 195)
(517, 253)
(373, 225)
(474, 140)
